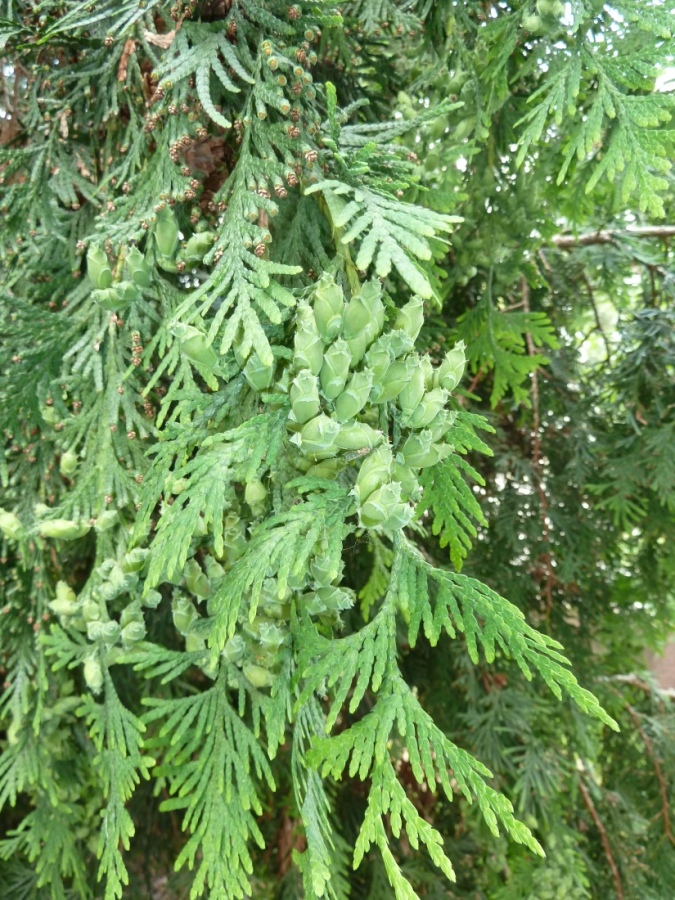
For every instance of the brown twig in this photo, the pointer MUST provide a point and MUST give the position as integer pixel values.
(596, 315)
(536, 455)
(536, 441)
(603, 837)
(477, 378)
(663, 791)
(542, 256)
(569, 241)
(128, 49)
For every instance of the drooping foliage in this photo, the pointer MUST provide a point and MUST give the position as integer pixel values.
(337, 380)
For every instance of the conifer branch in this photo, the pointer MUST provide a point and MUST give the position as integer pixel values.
(590, 806)
(536, 459)
(608, 236)
(663, 790)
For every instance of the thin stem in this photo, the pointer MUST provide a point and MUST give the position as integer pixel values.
(569, 241)
(603, 837)
(596, 316)
(536, 457)
(663, 791)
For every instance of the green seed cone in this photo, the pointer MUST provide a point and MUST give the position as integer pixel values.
(442, 423)
(352, 400)
(138, 269)
(358, 436)
(111, 632)
(167, 263)
(91, 610)
(132, 612)
(411, 395)
(375, 471)
(399, 343)
(93, 673)
(429, 408)
(195, 579)
(327, 468)
(98, 267)
(64, 591)
(304, 396)
(194, 643)
(106, 520)
(410, 317)
(10, 525)
(416, 449)
(378, 359)
(255, 494)
(308, 346)
(68, 463)
(401, 516)
(422, 456)
(196, 248)
(64, 529)
(336, 598)
(194, 346)
(380, 505)
(395, 379)
(335, 369)
(428, 371)
(328, 308)
(272, 635)
(183, 613)
(128, 292)
(407, 478)
(258, 676)
(357, 347)
(449, 373)
(214, 571)
(65, 602)
(358, 314)
(371, 293)
(234, 538)
(133, 633)
(258, 375)
(134, 560)
(109, 299)
(62, 607)
(316, 438)
(321, 573)
(166, 233)
(152, 599)
(234, 649)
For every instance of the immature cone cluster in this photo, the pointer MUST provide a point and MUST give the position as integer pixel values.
(88, 613)
(119, 295)
(345, 369)
(167, 243)
(116, 294)
(256, 648)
